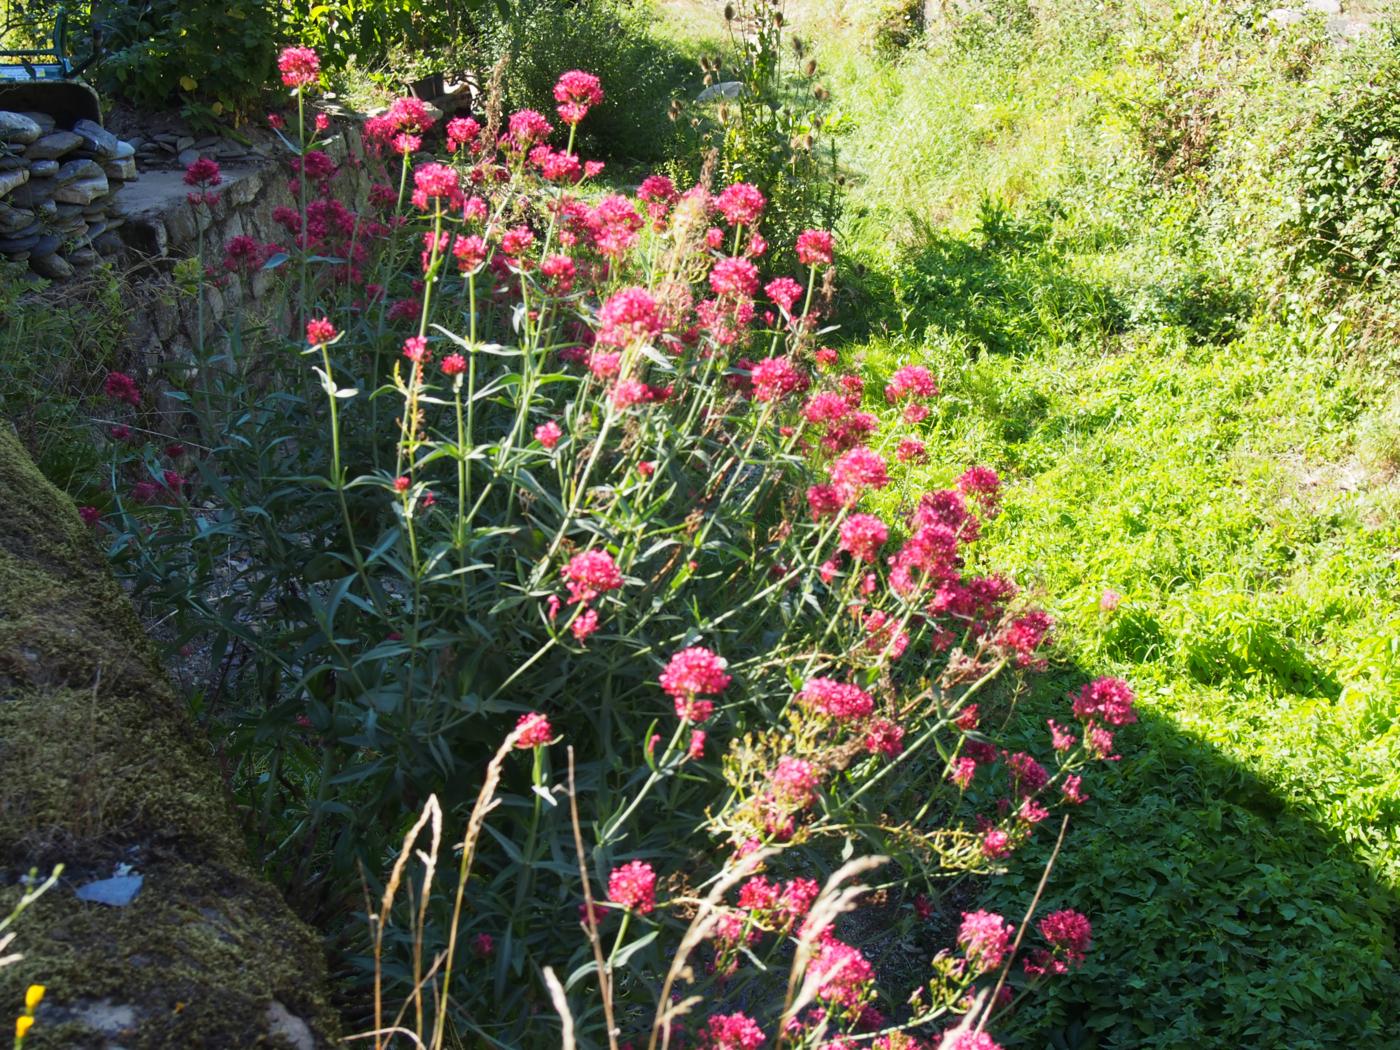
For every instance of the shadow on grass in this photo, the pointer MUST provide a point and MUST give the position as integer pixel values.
(1221, 916)
(1013, 283)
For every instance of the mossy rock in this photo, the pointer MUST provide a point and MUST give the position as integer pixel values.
(99, 766)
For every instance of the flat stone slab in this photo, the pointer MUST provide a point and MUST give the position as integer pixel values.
(97, 137)
(16, 127)
(53, 145)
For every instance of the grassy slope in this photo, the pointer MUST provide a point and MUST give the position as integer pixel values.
(1100, 342)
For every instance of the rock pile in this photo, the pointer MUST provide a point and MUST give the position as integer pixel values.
(56, 192)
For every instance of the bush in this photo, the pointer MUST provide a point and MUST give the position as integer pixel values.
(611, 39)
(564, 467)
(368, 33)
(214, 59)
(777, 129)
(1349, 176)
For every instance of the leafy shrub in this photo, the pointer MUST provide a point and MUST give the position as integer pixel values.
(897, 26)
(368, 33)
(613, 40)
(570, 471)
(1349, 176)
(1168, 86)
(1378, 436)
(778, 131)
(211, 58)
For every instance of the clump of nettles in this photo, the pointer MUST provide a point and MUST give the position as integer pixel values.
(612, 490)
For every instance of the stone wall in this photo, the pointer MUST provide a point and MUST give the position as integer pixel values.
(160, 227)
(57, 189)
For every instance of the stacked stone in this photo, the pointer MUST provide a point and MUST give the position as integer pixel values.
(56, 192)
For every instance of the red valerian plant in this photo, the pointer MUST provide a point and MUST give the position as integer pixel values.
(580, 476)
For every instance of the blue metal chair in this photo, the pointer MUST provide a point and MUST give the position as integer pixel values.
(34, 42)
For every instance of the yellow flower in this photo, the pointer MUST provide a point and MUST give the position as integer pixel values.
(22, 1026)
(34, 996)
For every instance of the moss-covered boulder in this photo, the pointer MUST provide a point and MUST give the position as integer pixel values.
(100, 767)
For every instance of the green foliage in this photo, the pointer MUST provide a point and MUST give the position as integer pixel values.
(1005, 288)
(53, 360)
(897, 27)
(779, 131)
(368, 33)
(613, 40)
(1349, 174)
(1378, 436)
(213, 58)
(1226, 466)
(1242, 868)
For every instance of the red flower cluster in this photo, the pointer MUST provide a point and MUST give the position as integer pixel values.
(576, 92)
(1069, 935)
(693, 673)
(741, 204)
(734, 1031)
(814, 248)
(633, 886)
(121, 387)
(299, 66)
(591, 574)
(537, 731)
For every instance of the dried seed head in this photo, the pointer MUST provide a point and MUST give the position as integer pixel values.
(778, 19)
(729, 12)
(820, 93)
(809, 68)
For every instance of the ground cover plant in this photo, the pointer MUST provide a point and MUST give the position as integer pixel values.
(570, 461)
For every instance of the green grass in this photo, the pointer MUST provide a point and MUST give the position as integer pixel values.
(1183, 421)
(1241, 864)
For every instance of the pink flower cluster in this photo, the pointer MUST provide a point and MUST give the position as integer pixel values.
(839, 700)
(741, 204)
(734, 1031)
(985, 938)
(299, 66)
(576, 92)
(691, 674)
(1069, 935)
(633, 885)
(536, 730)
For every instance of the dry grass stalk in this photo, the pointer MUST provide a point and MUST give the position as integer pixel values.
(590, 918)
(485, 802)
(699, 929)
(561, 1004)
(432, 813)
(835, 899)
